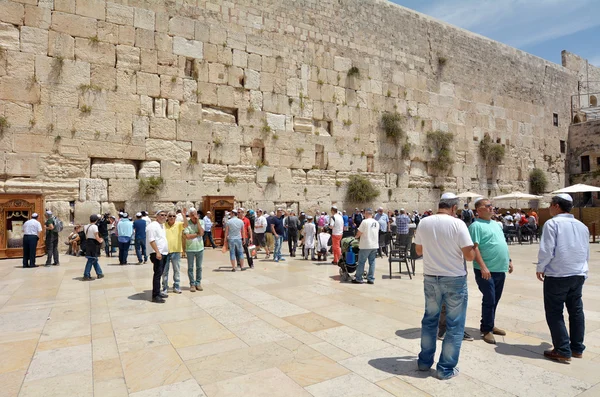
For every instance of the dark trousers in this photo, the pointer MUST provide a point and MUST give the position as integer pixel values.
(558, 292)
(52, 248)
(29, 245)
(383, 243)
(123, 251)
(292, 241)
(140, 249)
(208, 237)
(492, 292)
(159, 268)
(106, 245)
(246, 242)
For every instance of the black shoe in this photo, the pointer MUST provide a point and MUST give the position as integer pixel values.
(56, 264)
(251, 266)
(87, 279)
(356, 282)
(158, 299)
(47, 265)
(233, 270)
(370, 282)
(101, 276)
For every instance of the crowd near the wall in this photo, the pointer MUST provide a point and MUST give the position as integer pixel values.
(446, 239)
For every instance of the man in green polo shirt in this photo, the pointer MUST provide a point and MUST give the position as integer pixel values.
(491, 263)
(194, 248)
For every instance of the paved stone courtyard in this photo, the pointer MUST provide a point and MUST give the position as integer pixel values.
(287, 329)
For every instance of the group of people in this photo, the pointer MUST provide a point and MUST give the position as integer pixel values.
(447, 242)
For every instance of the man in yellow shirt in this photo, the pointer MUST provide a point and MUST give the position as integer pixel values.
(174, 232)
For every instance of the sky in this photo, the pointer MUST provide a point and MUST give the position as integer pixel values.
(540, 27)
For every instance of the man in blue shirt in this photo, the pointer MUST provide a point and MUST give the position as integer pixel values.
(402, 222)
(139, 227)
(125, 230)
(384, 221)
(276, 225)
(563, 267)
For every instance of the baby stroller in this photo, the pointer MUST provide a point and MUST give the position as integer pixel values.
(349, 259)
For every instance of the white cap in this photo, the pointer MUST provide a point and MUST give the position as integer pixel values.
(478, 199)
(279, 209)
(234, 211)
(333, 207)
(448, 196)
(401, 209)
(565, 196)
(272, 213)
(241, 209)
(159, 211)
(138, 214)
(48, 212)
(34, 215)
(508, 212)
(380, 209)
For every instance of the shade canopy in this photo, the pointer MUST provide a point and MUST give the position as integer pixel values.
(517, 196)
(469, 195)
(579, 188)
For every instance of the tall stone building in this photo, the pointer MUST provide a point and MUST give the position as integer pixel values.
(273, 102)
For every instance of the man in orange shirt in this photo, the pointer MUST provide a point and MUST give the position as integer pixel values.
(535, 215)
(246, 235)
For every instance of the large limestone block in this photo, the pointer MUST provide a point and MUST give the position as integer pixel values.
(159, 149)
(180, 26)
(12, 13)
(243, 173)
(37, 17)
(341, 64)
(85, 209)
(128, 57)
(61, 45)
(144, 19)
(18, 90)
(22, 164)
(144, 38)
(93, 189)
(54, 71)
(113, 171)
(60, 208)
(148, 84)
(303, 124)
(119, 14)
(276, 121)
(217, 116)
(74, 25)
(251, 79)
(91, 8)
(163, 128)
(214, 172)
(149, 169)
(123, 189)
(34, 40)
(97, 53)
(64, 190)
(9, 37)
(187, 48)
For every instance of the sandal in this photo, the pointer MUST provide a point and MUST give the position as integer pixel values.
(233, 270)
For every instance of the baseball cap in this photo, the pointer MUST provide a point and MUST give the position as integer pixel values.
(448, 196)
(565, 196)
(93, 218)
(234, 211)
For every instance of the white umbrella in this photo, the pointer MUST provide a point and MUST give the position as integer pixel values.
(469, 195)
(517, 196)
(579, 188)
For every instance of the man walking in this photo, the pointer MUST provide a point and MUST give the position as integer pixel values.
(246, 236)
(207, 222)
(402, 222)
(32, 231)
(309, 232)
(292, 224)
(563, 267)
(51, 240)
(384, 221)
(336, 223)
(194, 247)
(277, 229)
(174, 232)
(125, 230)
(139, 227)
(368, 235)
(260, 228)
(445, 244)
(158, 248)
(491, 263)
(233, 236)
(93, 243)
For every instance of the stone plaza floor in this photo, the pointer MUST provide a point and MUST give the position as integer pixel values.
(287, 329)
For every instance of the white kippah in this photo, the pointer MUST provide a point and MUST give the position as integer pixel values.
(565, 196)
(448, 196)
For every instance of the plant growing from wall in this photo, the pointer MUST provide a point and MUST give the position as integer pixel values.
(57, 66)
(4, 125)
(537, 181)
(440, 143)
(442, 61)
(492, 153)
(271, 180)
(299, 151)
(150, 186)
(338, 184)
(85, 109)
(392, 125)
(405, 151)
(229, 180)
(217, 142)
(360, 190)
(353, 72)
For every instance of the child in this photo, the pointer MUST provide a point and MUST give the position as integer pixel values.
(309, 230)
(322, 242)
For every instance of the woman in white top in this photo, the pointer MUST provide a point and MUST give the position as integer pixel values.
(322, 244)
(309, 231)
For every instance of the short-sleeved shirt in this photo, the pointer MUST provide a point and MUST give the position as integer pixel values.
(402, 221)
(50, 221)
(369, 239)
(383, 221)
(196, 244)
(336, 222)
(174, 234)
(156, 232)
(278, 223)
(90, 231)
(139, 226)
(443, 237)
(32, 227)
(260, 225)
(346, 220)
(492, 245)
(235, 226)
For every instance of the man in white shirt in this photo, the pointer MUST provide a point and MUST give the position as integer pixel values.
(208, 230)
(32, 232)
(158, 248)
(445, 244)
(260, 228)
(336, 223)
(368, 233)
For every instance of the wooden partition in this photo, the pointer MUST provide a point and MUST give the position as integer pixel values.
(16, 209)
(218, 205)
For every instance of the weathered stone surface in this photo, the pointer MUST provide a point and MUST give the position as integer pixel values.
(144, 19)
(217, 116)
(22, 164)
(74, 25)
(149, 168)
(113, 171)
(12, 13)
(93, 189)
(9, 37)
(159, 149)
(119, 14)
(34, 40)
(187, 48)
(91, 8)
(163, 128)
(83, 210)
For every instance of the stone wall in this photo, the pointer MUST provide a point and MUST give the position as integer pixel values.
(589, 83)
(584, 140)
(274, 102)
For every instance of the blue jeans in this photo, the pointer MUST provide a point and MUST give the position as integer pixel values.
(106, 244)
(492, 292)
(363, 255)
(174, 258)
(451, 291)
(560, 292)
(92, 261)
(191, 258)
(140, 249)
(235, 249)
(208, 237)
(277, 251)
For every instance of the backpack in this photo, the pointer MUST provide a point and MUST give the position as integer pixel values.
(321, 221)
(58, 225)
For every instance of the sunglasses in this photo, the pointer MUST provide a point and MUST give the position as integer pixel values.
(488, 206)
(171, 216)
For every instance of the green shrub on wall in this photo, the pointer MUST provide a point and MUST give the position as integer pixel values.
(492, 153)
(360, 190)
(537, 181)
(440, 143)
(150, 186)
